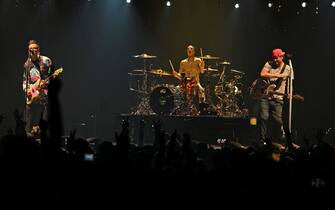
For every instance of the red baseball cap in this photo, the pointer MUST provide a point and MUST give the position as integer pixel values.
(277, 52)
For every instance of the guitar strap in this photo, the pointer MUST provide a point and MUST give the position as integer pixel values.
(280, 80)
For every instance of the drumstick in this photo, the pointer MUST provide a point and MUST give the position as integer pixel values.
(171, 65)
(202, 60)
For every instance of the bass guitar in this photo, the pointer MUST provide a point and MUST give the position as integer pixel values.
(263, 88)
(34, 90)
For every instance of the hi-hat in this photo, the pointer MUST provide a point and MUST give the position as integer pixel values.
(160, 72)
(144, 56)
(209, 57)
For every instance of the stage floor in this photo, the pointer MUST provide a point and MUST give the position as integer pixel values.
(204, 128)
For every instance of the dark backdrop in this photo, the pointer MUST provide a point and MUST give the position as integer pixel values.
(94, 41)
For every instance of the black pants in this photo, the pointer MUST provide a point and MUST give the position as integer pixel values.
(33, 113)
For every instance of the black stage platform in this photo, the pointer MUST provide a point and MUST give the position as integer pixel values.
(204, 128)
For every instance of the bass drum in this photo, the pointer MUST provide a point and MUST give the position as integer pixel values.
(162, 100)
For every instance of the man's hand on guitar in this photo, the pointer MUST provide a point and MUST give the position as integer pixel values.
(43, 84)
(283, 75)
(278, 75)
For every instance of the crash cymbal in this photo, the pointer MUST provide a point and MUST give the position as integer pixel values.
(144, 56)
(160, 72)
(236, 71)
(209, 57)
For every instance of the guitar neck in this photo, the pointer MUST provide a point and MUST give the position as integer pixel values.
(55, 73)
(294, 96)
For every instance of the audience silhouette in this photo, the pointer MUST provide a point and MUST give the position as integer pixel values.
(173, 172)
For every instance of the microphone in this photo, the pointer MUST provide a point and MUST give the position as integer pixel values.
(33, 51)
(30, 52)
(288, 55)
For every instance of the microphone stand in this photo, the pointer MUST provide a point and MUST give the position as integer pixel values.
(290, 94)
(27, 74)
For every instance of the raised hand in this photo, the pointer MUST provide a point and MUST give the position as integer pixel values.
(19, 128)
(71, 141)
(123, 137)
(73, 134)
(125, 125)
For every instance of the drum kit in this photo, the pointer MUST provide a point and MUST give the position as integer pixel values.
(158, 97)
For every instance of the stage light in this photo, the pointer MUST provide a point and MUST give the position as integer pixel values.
(237, 5)
(303, 4)
(270, 4)
(333, 4)
(168, 3)
(128, 1)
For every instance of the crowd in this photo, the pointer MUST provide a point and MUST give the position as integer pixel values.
(172, 172)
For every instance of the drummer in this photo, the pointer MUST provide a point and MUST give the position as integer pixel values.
(189, 74)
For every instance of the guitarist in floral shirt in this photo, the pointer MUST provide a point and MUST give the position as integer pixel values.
(37, 69)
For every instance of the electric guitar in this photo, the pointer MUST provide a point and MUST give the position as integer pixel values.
(263, 88)
(34, 90)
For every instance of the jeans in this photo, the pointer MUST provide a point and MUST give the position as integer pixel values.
(275, 108)
(33, 114)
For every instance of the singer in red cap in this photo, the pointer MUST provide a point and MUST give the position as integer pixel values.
(275, 72)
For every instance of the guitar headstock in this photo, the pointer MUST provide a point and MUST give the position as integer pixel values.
(58, 71)
(298, 97)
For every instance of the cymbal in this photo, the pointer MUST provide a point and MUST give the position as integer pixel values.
(214, 75)
(209, 57)
(134, 74)
(236, 71)
(138, 70)
(144, 56)
(160, 72)
(211, 70)
(225, 63)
